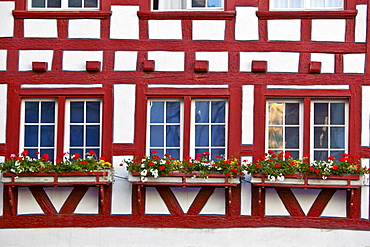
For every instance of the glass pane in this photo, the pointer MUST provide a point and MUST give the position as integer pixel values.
(92, 112)
(47, 136)
(32, 153)
(296, 3)
(321, 113)
(159, 151)
(80, 151)
(54, 4)
(275, 137)
(31, 136)
(32, 112)
(202, 111)
(218, 136)
(292, 113)
(321, 155)
(91, 3)
(38, 3)
(173, 136)
(74, 3)
(217, 151)
(337, 113)
(334, 3)
(198, 3)
(77, 112)
(76, 135)
(201, 135)
(295, 154)
(337, 137)
(156, 136)
(218, 111)
(279, 3)
(47, 112)
(276, 111)
(336, 154)
(157, 112)
(201, 150)
(175, 153)
(320, 137)
(214, 3)
(292, 137)
(96, 150)
(173, 112)
(50, 152)
(317, 3)
(93, 135)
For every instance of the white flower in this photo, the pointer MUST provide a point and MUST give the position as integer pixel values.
(143, 172)
(144, 179)
(193, 176)
(280, 178)
(271, 178)
(154, 173)
(324, 177)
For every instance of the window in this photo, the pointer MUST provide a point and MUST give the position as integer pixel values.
(40, 124)
(328, 127)
(64, 4)
(306, 4)
(208, 125)
(187, 5)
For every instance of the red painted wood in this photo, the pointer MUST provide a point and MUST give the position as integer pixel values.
(268, 15)
(320, 203)
(258, 201)
(73, 199)
(148, 65)
(200, 200)
(43, 200)
(138, 199)
(170, 200)
(315, 67)
(354, 206)
(10, 201)
(201, 66)
(92, 66)
(290, 202)
(259, 66)
(39, 66)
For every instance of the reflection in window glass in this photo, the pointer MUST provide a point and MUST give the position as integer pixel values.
(187, 4)
(306, 4)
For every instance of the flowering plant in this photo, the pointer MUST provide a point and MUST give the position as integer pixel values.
(277, 165)
(162, 166)
(66, 163)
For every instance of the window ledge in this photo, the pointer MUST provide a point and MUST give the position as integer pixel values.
(23, 14)
(187, 15)
(345, 14)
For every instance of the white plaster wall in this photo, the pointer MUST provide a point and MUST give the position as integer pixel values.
(365, 117)
(3, 59)
(305, 198)
(168, 60)
(185, 196)
(154, 203)
(328, 30)
(3, 111)
(247, 114)
(2, 159)
(360, 23)
(6, 20)
(121, 188)
(327, 61)
(125, 60)
(26, 57)
(76, 60)
(217, 61)
(246, 189)
(40, 28)
(354, 63)
(84, 28)
(124, 22)
(276, 61)
(165, 29)
(27, 204)
(337, 205)
(365, 192)
(89, 203)
(273, 204)
(246, 23)
(209, 29)
(58, 195)
(284, 30)
(216, 203)
(124, 113)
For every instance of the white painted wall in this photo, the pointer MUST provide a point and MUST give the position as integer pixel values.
(6, 20)
(27, 204)
(40, 28)
(360, 23)
(284, 30)
(247, 114)
(84, 28)
(327, 61)
(3, 59)
(76, 60)
(121, 189)
(276, 61)
(3, 112)
(209, 29)
(26, 57)
(165, 29)
(246, 23)
(125, 60)
(328, 30)
(2, 159)
(246, 189)
(217, 61)
(124, 22)
(365, 117)
(354, 63)
(171, 61)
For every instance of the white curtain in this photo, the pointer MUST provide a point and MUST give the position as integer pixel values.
(171, 4)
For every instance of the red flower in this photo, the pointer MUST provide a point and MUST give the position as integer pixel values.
(335, 167)
(37, 152)
(217, 156)
(154, 152)
(233, 170)
(317, 170)
(92, 152)
(288, 155)
(84, 162)
(270, 152)
(58, 160)
(19, 158)
(258, 165)
(277, 165)
(24, 153)
(214, 165)
(226, 162)
(198, 155)
(312, 168)
(167, 154)
(189, 163)
(292, 163)
(76, 155)
(172, 158)
(331, 158)
(162, 167)
(151, 164)
(103, 158)
(206, 153)
(344, 159)
(306, 155)
(121, 164)
(188, 157)
(273, 156)
(41, 169)
(156, 157)
(198, 159)
(228, 174)
(45, 157)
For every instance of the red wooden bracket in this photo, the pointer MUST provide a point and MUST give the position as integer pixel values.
(201, 66)
(315, 67)
(290, 202)
(259, 66)
(92, 66)
(39, 66)
(148, 65)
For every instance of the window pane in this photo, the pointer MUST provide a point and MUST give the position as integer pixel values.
(92, 112)
(32, 152)
(91, 3)
(76, 135)
(47, 112)
(337, 113)
(31, 136)
(173, 112)
(275, 137)
(321, 137)
(292, 113)
(159, 151)
(336, 154)
(92, 135)
(50, 152)
(77, 112)
(96, 150)
(214, 3)
(295, 154)
(333, 3)
(317, 3)
(321, 113)
(54, 3)
(32, 112)
(175, 153)
(38, 3)
(202, 111)
(77, 150)
(157, 112)
(296, 3)
(201, 150)
(201, 135)
(276, 111)
(217, 151)
(173, 136)
(218, 111)
(75, 3)
(321, 155)
(218, 136)
(292, 137)
(156, 136)
(279, 3)
(47, 136)
(198, 3)
(337, 137)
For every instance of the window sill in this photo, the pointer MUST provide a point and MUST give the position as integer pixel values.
(345, 14)
(187, 15)
(23, 14)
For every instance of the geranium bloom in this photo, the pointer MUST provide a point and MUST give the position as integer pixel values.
(45, 157)
(335, 167)
(317, 170)
(92, 152)
(277, 165)
(188, 157)
(271, 152)
(151, 163)
(331, 158)
(162, 167)
(76, 155)
(154, 152)
(312, 168)
(103, 158)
